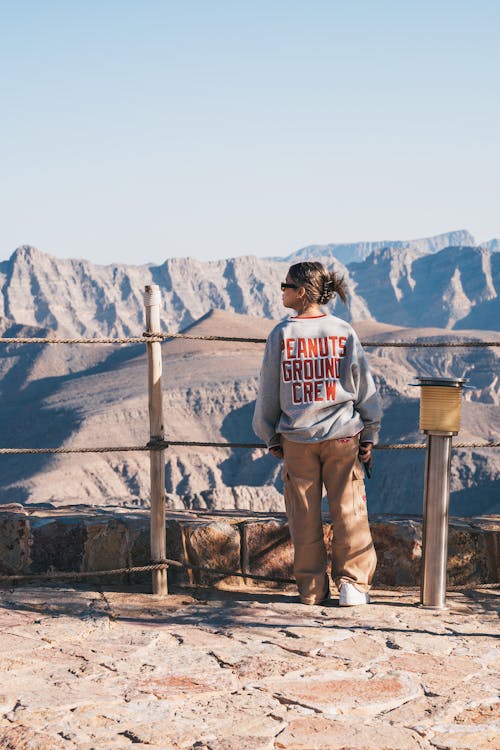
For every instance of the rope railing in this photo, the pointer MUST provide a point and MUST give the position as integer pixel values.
(380, 446)
(152, 337)
(148, 337)
(57, 575)
(161, 337)
(160, 565)
(163, 445)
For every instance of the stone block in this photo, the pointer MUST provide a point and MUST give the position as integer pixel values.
(213, 545)
(345, 693)
(398, 544)
(77, 539)
(176, 550)
(15, 540)
(473, 551)
(436, 674)
(57, 544)
(466, 562)
(267, 550)
(330, 734)
(106, 546)
(139, 551)
(140, 547)
(482, 714)
(454, 738)
(23, 737)
(359, 650)
(489, 546)
(182, 686)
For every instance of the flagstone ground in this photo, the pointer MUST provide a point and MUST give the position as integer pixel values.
(242, 669)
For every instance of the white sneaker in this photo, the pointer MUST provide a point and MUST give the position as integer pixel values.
(349, 596)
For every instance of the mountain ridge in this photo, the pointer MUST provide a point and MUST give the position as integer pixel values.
(358, 251)
(455, 287)
(442, 289)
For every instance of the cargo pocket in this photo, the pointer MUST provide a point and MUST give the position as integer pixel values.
(358, 490)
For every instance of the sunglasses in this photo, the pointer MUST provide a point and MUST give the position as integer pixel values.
(288, 286)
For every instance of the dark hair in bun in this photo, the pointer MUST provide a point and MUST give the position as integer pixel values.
(320, 285)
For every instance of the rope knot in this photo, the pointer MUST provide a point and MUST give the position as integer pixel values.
(157, 444)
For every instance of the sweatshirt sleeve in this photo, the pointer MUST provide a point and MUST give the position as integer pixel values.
(267, 407)
(367, 402)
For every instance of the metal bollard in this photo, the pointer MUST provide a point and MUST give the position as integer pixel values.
(440, 407)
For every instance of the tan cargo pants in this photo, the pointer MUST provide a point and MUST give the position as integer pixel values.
(334, 463)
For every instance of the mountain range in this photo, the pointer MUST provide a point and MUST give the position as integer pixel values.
(88, 395)
(457, 286)
(357, 251)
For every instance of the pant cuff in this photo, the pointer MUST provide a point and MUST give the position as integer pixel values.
(364, 588)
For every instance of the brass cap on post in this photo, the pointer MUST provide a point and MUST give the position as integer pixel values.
(440, 404)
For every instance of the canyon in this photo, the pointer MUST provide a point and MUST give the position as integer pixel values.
(87, 395)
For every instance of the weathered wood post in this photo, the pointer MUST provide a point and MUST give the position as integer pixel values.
(152, 301)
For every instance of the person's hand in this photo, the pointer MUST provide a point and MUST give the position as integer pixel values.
(365, 452)
(276, 451)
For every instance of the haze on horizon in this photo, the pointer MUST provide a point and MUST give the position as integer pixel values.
(136, 131)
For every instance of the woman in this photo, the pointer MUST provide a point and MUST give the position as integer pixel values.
(317, 408)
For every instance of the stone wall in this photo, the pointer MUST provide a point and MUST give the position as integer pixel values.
(39, 539)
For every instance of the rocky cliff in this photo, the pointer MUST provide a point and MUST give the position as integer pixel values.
(78, 298)
(453, 287)
(88, 395)
(358, 251)
(458, 287)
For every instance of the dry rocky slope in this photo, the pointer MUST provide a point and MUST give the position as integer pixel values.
(209, 388)
(96, 395)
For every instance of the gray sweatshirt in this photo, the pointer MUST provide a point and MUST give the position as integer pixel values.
(315, 384)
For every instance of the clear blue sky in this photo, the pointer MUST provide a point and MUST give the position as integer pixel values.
(133, 131)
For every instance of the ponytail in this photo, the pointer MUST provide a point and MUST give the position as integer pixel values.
(320, 285)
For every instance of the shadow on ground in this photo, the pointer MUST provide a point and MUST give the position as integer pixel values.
(226, 609)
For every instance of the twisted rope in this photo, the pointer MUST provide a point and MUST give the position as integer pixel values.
(163, 445)
(68, 575)
(160, 337)
(165, 564)
(161, 565)
(491, 444)
(428, 344)
(380, 446)
(103, 449)
(128, 340)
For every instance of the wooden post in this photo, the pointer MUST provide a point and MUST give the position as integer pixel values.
(152, 301)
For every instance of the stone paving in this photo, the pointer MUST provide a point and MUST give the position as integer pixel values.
(229, 669)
